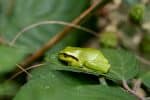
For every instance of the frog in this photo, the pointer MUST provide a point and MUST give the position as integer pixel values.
(88, 59)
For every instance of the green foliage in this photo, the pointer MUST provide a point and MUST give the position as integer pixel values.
(145, 45)
(124, 65)
(9, 57)
(136, 13)
(8, 89)
(146, 79)
(56, 85)
(108, 39)
(58, 81)
(27, 12)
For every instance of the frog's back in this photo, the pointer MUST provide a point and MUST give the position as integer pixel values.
(92, 54)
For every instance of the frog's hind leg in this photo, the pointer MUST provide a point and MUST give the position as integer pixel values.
(96, 66)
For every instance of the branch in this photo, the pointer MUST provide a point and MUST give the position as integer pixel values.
(125, 85)
(137, 84)
(143, 60)
(50, 22)
(58, 36)
(24, 70)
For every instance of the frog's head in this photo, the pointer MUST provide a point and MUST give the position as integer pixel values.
(70, 55)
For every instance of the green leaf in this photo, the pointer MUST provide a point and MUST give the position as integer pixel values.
(27, 12)
(47, 84)
(8, 89)
(9, 57)
(75, 78)
(146, 79)
(124, 65)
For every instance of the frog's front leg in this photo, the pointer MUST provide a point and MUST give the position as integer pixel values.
(97, 66)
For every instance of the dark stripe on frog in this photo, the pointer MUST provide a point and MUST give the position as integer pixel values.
(67, 55)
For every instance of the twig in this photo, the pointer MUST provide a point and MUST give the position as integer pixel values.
(58, 36)
(143, 60)
(50, 22)
(24, 70)
(125, 85)
(103, 81)
(137, 84)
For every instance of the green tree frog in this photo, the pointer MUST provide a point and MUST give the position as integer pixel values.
(88, 59)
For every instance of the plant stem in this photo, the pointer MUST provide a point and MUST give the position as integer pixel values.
(58, 36)
(125, 85)
(103, 81)
(143, 60)
(25, 70)
(12, 42)
(137, 84)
